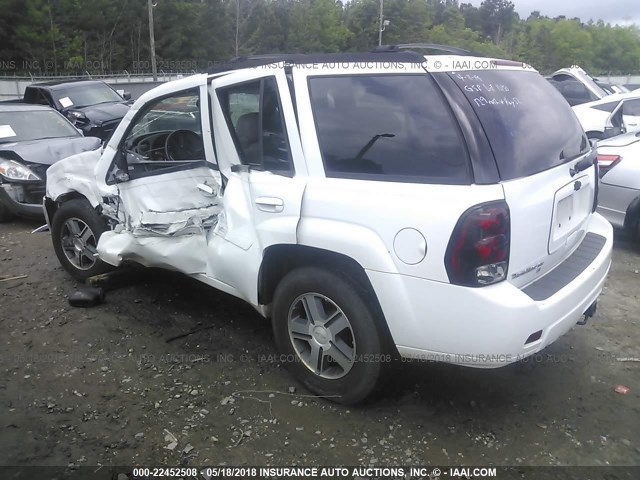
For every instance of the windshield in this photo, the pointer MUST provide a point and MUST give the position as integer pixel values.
(530, 126)
(180, 112)
(85, 95)
(34, 125)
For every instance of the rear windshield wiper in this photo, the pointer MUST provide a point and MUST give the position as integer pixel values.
(585, 163)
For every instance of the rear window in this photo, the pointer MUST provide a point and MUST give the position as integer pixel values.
(529, 125)
(388, 128)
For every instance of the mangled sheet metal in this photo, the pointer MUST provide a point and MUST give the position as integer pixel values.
(186, 254)
(75, 174)
(158, 221)
(163, 223)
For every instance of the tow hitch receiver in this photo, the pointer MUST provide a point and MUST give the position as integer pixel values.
(589, 312)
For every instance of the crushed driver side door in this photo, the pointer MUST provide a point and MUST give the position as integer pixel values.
(167, 191)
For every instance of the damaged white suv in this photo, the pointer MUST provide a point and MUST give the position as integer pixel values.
(366, 203)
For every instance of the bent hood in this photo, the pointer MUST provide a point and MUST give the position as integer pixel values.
(48, 151)
(105, 112)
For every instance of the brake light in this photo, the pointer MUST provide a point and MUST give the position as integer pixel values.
(478, 251)
(607, 162)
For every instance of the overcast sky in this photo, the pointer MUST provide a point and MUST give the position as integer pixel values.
(623, 12)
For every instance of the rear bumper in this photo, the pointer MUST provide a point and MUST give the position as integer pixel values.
(11, 196)
(490, 326)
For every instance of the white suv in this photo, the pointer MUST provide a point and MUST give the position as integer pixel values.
(369, 204)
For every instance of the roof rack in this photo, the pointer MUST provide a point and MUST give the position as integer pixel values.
(425, 46)
(254, 61)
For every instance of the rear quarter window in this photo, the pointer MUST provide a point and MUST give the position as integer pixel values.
(606, 107)
(529, 125)
(389, 128)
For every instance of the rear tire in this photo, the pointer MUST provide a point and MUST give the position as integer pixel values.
(75, 231)
(329, 334)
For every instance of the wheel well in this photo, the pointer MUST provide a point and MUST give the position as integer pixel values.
(278, 260)
(52, 206)
(633, 213)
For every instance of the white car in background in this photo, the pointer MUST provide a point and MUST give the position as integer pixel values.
(619, 196)
(611, 88)
(610, 116)
(578, 87)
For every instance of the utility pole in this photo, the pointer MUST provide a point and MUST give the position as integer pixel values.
(381, 27)
(152, 40)
(237, 24)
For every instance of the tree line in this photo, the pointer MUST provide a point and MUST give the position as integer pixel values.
(112, 36)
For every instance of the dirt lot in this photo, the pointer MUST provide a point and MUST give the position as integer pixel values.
(102, 386)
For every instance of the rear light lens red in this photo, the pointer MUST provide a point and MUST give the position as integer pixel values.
(478, 251)
(607, 162)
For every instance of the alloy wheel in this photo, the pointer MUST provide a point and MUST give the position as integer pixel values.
(322, 336)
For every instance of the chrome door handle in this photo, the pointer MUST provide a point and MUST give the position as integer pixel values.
(270, 204)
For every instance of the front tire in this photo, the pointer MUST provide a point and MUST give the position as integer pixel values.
(5, 213)
(75, 231)
(326, 328)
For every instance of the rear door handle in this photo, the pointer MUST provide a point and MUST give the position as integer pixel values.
(270, 204)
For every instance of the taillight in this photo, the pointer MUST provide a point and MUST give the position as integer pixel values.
(478, 251)
(607, 162)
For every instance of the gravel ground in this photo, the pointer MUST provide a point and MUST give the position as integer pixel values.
(103, 386)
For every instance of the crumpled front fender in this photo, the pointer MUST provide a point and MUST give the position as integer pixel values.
(75, 174)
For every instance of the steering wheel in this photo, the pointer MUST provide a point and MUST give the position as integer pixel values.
(183, 145)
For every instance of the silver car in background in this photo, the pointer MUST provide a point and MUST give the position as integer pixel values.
(619, 195)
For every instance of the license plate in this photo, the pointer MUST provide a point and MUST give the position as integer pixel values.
(573, 203)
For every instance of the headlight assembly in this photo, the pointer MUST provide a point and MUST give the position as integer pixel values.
(12, 170)
(77, 118)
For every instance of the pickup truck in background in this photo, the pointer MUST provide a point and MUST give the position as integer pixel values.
(92, 105)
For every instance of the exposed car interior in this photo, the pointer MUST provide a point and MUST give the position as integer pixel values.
(167, 135)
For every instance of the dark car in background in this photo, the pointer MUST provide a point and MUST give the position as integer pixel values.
(91, 105)
(32, 138)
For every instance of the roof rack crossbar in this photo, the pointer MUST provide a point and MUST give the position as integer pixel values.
(424, 46)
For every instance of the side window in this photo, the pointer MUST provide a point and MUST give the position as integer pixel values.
(631, 107)
(36, 96)
(165, 137)
(254, 116)
(388, 128)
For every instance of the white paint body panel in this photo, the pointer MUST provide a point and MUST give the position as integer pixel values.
(485, 327)
(377, 211)
(75, 174)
